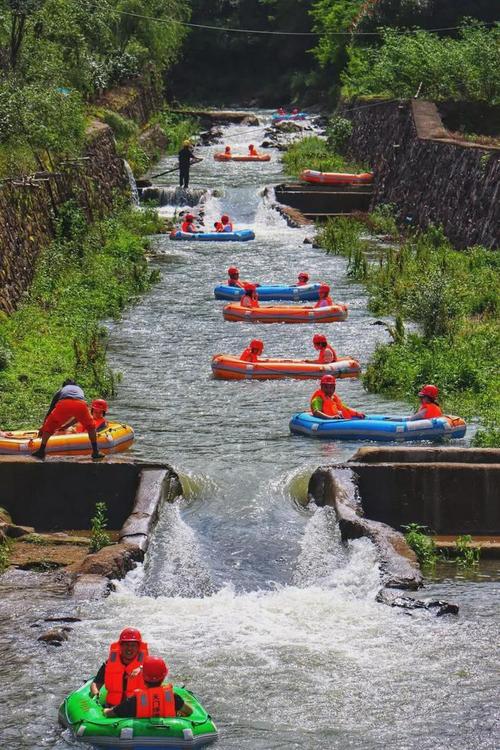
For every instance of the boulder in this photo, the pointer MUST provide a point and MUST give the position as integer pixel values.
(435, 606)
(113, 561)
(14, 531)
(55, 637)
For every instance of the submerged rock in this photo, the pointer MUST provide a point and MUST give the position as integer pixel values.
(435, 606)
(55, 637)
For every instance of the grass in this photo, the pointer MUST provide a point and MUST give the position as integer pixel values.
(89, 273)
(314, 153)
(455, 298)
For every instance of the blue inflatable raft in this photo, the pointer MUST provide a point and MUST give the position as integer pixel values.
(270, 292)
(239, 235)
(290, 116)
(377, 427)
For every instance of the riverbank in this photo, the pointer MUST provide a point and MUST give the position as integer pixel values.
(88, 273)
(452, 295)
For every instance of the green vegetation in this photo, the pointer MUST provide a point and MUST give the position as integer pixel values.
(99, 537)
(57, 54)
(88, 273)
(314, 153)
(455, 298)
(467, 556)
(5, 550)
(422, 545)
(446, 68)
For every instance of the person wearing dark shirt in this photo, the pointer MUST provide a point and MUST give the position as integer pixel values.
(186, 158)
(156, 700)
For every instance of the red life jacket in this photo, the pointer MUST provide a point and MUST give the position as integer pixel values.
(235, 282)
(323, 359)
(115, 671)
(155, 703)
(187, 226)
(247, 301)
(431, 411)
(249, 356)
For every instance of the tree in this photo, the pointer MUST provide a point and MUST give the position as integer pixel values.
(21, 14)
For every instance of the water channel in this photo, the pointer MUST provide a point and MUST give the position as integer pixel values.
(251, 598)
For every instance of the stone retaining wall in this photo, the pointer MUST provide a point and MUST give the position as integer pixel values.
(429, 176)
(28, 208)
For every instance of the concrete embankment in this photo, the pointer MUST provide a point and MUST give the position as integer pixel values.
(60, 495)
(451, 491)
(428, 174)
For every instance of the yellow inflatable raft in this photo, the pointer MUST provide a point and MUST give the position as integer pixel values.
(114, 439)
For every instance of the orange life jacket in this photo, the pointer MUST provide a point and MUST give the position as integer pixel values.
(116, 670)
(431, 411)
(333, 406)
(235, 282)
(99, 424)
(155, 703)
(325, 302)
(247, 301)
(323, 359)
(249, 356)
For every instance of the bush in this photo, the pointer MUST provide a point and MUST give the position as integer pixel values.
(422, 544)
(99, 537)
(338, 132)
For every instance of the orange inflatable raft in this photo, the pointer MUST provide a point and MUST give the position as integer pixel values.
(234, 312)
(114, 439)
(336, 178)
(242, 157)
(227, 367)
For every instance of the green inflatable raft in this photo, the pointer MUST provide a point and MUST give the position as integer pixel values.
(84, 716)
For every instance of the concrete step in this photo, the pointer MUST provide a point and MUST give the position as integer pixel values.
(489, 545)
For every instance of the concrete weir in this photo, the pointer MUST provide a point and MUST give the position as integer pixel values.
(452, 491)
(60, 494)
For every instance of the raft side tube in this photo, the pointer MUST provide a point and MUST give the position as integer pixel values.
(378, 427)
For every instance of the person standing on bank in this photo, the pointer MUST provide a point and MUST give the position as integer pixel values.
(186, 158)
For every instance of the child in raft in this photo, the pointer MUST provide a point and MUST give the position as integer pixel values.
(218, 226)
(227, 224)
(429, 407)
(188, 224)
(324, 296)
(252, 151)
(250, 298)
(253, 351)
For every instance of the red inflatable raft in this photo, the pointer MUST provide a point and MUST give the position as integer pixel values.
(336, 178)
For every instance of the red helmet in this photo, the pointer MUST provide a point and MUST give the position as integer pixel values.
(304, 275)
(324, 289)
(99, 403)
(130, 634)
(250, 287)
(232, 271)
(431, 391)
(224, 218)
(189, 217)
(154, 669)
(318, 338)
(327, 380)
(257, 344)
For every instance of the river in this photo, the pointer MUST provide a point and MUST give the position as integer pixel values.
(251, 598)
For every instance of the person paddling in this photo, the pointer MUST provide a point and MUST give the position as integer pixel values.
(68, 404)
(186, 158)
(325, 403)
(429, 407)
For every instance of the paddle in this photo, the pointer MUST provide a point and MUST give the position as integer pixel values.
(175, 169)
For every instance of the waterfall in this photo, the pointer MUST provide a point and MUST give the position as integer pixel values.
(173, 196)
(134, 193)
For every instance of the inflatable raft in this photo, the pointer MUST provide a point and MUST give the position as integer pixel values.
(114, 439)
(227, 367)
(84, 717)
(239, 235)
(242, 157)
(290, 116)
(234, 312)
(336, 178)
(307, 293)
(378, 427)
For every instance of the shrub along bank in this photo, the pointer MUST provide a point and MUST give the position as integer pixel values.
(453, 296)
(88, 273)
(314, 153)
